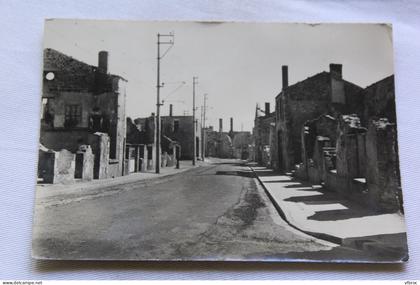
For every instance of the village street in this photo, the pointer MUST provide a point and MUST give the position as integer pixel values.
(215, 211)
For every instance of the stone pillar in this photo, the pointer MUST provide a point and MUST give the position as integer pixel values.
(84, 163)
(151, 158)
(46, 162)
(64, 167)
(382, 166)
(137, 158)
(101, 151)
(348, 149)
(145, 159)
(164, 160)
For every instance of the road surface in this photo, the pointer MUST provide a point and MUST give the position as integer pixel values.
(217, 211)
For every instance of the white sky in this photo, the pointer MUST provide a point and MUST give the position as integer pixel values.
(238, 64)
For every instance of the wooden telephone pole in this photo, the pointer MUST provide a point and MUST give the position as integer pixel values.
(194, 159)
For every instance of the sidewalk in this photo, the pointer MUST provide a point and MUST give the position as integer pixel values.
(48, 190)
(324, 214)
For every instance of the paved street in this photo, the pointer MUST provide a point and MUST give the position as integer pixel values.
(216, 211)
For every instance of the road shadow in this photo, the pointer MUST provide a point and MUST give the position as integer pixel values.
(241, 173)
(342, 214)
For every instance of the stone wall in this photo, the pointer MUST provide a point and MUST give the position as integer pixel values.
(351, 151)
(263, 138)
(382, 160)
(56, 166)
(99, 143)
(379, 101)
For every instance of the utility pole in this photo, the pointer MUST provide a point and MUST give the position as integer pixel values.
(203, 153)
(202, 132)
(170, 42)
(194, 122)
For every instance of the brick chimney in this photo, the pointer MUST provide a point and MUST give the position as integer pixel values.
(231, 124)
(103, 61)
(336, 70)
(267, 108)
(337, 84)
(170, 110)
(220, 125)
(285, 76)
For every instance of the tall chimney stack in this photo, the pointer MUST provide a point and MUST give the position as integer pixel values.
(285, 76)
(170, 110)
(336, 70)
(103, 61)
(231, 125)
(220, 125)
(267, 108)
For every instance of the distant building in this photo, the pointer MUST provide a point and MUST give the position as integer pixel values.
(242, 145)
(174, 130)
(218, 143)
(263, 135)
(84, 105)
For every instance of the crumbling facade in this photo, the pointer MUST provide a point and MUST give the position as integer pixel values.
(324, 93)
(264, 123)
(84, 105)
(336, 134)
(139, 155)
(218, 143)
(242, 145)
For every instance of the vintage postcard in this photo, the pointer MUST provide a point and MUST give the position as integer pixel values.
(218, 141)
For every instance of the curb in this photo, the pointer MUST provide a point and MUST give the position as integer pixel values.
(113, 182)
(322, 236)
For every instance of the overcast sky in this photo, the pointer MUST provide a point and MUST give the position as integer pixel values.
(237, 64)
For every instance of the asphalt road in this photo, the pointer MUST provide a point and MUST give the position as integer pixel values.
(216, 211)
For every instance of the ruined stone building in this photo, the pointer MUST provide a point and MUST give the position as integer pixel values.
(356, 153)
(218, 143)
(264, 123)
(325, 93)
(83, 107)
(232, 144)
(241, 143)
(140, 150)
(334, 133)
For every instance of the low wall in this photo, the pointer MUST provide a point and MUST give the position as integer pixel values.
(350, 188)
(314, 176)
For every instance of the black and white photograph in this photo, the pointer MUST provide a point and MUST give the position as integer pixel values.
(218, 141)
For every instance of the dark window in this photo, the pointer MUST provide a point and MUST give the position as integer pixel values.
(73, 115)
(176, 126)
